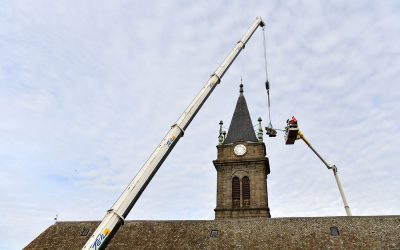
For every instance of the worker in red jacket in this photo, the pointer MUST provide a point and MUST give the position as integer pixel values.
(293, 122)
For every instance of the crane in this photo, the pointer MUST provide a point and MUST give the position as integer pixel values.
(292, 133)
(115, 216)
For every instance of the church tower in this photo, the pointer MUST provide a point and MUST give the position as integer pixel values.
(242, 169)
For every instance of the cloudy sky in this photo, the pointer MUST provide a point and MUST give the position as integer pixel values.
(89, 88)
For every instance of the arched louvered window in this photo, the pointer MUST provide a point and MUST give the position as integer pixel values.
(246, 191)
(235, 192)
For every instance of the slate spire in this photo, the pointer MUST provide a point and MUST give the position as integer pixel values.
(241, 128)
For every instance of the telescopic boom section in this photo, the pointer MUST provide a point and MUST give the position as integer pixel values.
(300, 135)
(119, 211)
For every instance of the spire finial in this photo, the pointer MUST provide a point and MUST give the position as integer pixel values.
(260, 131)
(241, 85)
(222, 133)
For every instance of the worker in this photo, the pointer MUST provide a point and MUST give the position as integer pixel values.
(293, 122)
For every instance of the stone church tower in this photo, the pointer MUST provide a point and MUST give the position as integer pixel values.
(242, 169)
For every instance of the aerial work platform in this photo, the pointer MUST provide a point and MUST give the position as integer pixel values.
(291, 131)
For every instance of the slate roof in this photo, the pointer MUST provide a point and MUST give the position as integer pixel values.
(353, 232)
(241, 127)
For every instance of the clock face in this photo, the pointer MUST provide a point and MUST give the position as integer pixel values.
(239, 149)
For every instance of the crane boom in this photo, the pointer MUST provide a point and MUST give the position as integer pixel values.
(300, 135)
(119, 211)
(292, 133)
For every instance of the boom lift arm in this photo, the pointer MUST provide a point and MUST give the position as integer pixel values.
(119, 211)
(293, 133)
(329, 166)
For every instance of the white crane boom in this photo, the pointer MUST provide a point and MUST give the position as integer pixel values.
(119, 211)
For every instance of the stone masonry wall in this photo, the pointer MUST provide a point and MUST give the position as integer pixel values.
(379, 232)
(254, 165)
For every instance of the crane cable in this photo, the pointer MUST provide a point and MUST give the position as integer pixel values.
(266, 78)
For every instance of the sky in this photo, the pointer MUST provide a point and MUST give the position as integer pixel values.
(89, 88)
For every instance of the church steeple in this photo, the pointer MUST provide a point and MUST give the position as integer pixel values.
(242, 168)
(241, 128)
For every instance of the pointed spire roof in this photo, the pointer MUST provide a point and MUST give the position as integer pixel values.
(241, 128)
